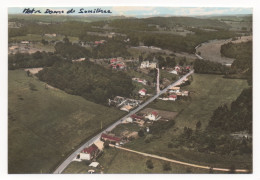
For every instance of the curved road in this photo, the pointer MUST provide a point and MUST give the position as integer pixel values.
(65, 163)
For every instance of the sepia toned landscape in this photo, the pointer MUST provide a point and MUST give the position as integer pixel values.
(126, 94)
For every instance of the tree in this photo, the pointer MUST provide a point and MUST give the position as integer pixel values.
(198, 125)
(141, 133)
(149, 164)
(28, 73)
(167, 166)
(106, 144)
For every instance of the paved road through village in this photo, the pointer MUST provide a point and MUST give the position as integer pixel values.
(67, 161)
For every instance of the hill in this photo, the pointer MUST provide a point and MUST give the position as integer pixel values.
(45, 124)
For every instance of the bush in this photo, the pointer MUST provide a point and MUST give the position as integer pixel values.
(141, 133)
(106, 144)
(148, 138)
(149, 164)
(167, 166)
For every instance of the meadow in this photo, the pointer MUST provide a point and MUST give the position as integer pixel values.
(46, 124)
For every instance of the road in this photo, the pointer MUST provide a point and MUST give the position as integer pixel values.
(180, 162)
(65, 163)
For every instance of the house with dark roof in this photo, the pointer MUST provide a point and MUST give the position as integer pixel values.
(111, 139)
(89, 153)
(153, 116)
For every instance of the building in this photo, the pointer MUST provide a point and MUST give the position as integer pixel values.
(136, 117)
(50, 35)
(112, 61)
(147, 64)
(144, 64)
(111, 139)
(129, 119)
(172, 97)
(142, 92)
(89, 153)
(79, 60)
(174, 72)
(174, 89)
(177, 68)
(185, 93)
(25, 42)
(126, 108)
(153, 116)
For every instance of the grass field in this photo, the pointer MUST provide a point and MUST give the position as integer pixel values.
(207, 93)
(46, 124)
(115, 161)
(38, 38)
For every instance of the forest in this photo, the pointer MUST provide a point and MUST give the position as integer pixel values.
(209, 67)
(89, 80)
(236, 118)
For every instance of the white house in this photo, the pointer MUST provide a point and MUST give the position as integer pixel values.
(144, 64)
(142, 92)
(129, 119)
(88, 153)
(174, 72)
(153, 116)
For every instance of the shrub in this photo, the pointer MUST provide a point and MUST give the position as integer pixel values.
(149, 164)
(167, 166)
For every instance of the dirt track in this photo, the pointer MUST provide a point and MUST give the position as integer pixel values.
(180, 162)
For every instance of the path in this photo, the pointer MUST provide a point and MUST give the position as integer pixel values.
(180, 162)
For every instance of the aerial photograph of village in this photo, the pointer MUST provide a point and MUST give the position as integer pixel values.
(130, 90)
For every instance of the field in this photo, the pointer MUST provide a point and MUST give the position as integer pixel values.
(116, 161)
(206, 96)
(46, 124)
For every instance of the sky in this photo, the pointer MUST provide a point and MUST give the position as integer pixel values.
(149, 11)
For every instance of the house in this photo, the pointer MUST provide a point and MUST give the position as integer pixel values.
(126, 108)
(177, 68)
(112, 61)
(89, 152)
(174, 89)
(152, 65)
(129, 119)
(117, 66)
(111, 139)
(50, 35)
(25, 42)
(174, 72)
(142, 92)
(13, 47)
(79, 60)
(153, 116)
(100, 42)
(94, 164)
(185, 93)
(172, 97)
(144, 64)
(135, 117)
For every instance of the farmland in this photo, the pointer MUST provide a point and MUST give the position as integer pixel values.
(46, 124)
(206, 96)
(115, 161)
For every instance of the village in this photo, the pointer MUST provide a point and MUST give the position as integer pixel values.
(137, 124)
